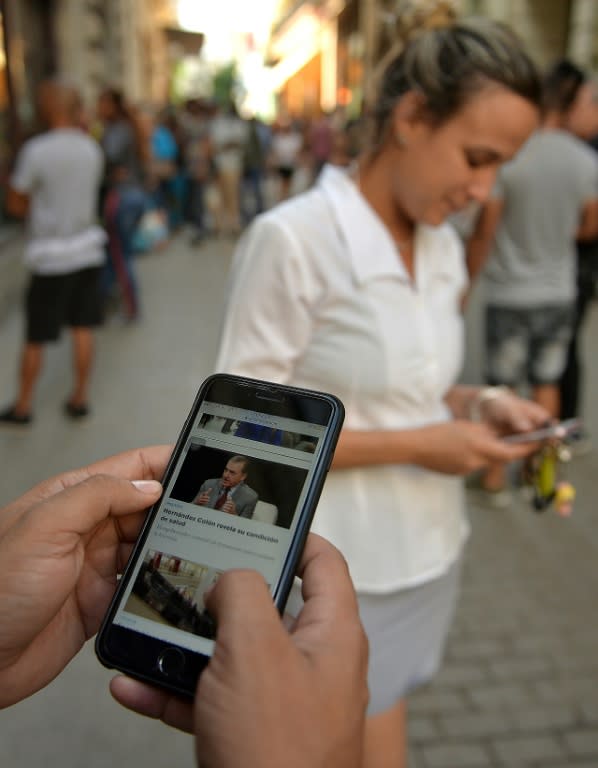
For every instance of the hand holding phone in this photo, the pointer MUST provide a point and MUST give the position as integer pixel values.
(240, 491)
(295, 677)
(560, 430)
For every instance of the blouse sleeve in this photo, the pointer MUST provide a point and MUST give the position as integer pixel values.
(268, 314)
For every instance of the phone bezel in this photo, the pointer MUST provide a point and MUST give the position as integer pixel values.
(138, 654)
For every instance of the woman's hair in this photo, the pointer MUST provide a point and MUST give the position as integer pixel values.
(561, 85)
(123, 111)
(447, 60)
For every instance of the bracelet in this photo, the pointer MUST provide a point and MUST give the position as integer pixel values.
(484, 395)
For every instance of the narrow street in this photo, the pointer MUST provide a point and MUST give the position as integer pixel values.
(520, 683)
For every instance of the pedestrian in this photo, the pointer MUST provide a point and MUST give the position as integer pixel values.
(255, 153)
(582, 121)
(354, 287)
(197, 155)
(124, 199)
(228, 136)
(286, 148)
(55, 186)
(62, 545)
(544, 200)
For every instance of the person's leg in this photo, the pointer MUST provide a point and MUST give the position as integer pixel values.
(385, 742)
(552, 332)
(44, 310)
(506, 352)
(29, 370)
(571, 378)
(83, 349)
(130, 210)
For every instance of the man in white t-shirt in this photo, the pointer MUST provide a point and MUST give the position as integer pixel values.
(55, 187)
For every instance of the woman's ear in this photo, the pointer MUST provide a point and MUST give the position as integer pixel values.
(409, 118)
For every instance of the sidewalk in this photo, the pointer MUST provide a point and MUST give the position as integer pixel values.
(519, 688)
(12, 271)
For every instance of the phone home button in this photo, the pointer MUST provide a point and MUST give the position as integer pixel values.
(171, 662)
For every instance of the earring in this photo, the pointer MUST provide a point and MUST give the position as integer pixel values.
(400, 139)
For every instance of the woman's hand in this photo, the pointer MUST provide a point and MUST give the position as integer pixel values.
(509, 414)
(460, 447)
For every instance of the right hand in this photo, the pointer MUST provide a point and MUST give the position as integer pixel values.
(460, 447)
(202, 499)
(268, 697)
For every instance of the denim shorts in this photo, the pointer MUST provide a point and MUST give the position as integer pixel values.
(527, 345)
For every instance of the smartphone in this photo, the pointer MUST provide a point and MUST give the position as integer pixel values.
(561, 430)
(240, 491)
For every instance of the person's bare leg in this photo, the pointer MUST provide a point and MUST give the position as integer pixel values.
(385, 743)
(494, 478)
(82, 362)
(31, 363)
(548, 395)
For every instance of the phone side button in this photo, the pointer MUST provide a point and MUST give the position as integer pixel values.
(171, 662)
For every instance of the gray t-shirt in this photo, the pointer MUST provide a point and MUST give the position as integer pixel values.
(544, 189)
(60, 171)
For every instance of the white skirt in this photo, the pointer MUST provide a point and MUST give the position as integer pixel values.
(407, 632)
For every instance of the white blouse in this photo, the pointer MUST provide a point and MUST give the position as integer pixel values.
(318, 297)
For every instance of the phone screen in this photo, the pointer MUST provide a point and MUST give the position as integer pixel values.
(232, 500)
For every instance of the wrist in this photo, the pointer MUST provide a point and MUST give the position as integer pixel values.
(481, 397)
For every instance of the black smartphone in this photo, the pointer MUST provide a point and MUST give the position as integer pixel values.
(561, 430)
(240, 491)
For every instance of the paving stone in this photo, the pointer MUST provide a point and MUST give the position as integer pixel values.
(456, 756)
(520, 668)
(500, 695)
(434, 702)
(476, 725)
(527, 750)
(583, 742)
(458, 674)
(545, 718)
(422, 729)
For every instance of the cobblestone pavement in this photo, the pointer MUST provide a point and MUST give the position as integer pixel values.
(520, 684)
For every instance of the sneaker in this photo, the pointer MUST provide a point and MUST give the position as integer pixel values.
(10, 417)
(579, 443)
(501, 498)
(76, 412)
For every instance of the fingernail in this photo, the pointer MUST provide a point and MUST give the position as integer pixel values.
(151, 487)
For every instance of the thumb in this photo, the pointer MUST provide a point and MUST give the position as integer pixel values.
(81, 507)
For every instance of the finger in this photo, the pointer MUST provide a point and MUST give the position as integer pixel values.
(143, 463)
(80, 508)
(243, 608)
(152, 702)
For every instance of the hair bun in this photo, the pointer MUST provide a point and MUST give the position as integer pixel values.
(412, 17)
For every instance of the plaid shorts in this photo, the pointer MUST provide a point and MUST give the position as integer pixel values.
(527, 345)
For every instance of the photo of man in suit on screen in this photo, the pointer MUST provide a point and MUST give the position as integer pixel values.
(229, 493)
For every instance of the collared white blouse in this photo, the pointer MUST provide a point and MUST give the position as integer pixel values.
(318, 297)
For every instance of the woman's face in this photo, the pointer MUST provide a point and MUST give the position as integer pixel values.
(439, 169)
(582, 117)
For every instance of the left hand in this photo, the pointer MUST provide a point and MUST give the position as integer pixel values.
(230, 507)
(62, 545)
(508, 414)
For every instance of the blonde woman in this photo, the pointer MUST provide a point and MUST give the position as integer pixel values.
(354, 287)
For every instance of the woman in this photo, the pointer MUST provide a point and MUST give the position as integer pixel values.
(354, 287)
(124, 200)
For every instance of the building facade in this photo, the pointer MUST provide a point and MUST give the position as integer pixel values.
(344, 40)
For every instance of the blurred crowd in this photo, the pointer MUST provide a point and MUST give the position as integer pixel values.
(205, 165)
